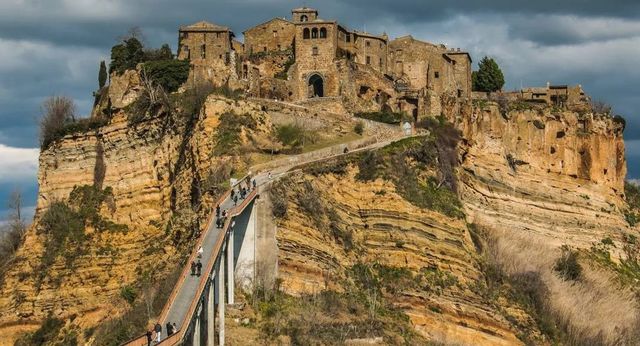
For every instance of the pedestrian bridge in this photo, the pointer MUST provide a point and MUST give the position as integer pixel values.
(197, 302)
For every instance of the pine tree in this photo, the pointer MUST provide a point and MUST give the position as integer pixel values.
(102, 75)
(489, 76)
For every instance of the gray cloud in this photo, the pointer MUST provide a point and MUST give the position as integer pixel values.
(54, 46)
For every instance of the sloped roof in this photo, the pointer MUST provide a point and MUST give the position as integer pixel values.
(304, 9)
(204, 26)
(267, 22)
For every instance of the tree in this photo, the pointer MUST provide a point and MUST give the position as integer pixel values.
(126, 55)
(57, 112)
(12, 233)
(102, 75)
(489, 76)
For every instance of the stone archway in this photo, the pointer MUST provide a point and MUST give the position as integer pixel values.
(316, 86)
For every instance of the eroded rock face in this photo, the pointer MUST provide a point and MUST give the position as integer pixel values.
(151, 167)
(389, 230)
(559, 175)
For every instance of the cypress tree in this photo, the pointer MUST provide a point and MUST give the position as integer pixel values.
(489, 76)
(102, 75)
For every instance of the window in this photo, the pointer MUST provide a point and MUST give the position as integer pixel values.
(203, 51)
(436, 74)
(314, 33)
(279, 47)
(304, 18)
(368, 44)
(188, 53)
(183, 35)
(368, 60)
(348, 38)
(264, 49)
(275, 33)
(314, 51)
(306, 33)
(323, 33)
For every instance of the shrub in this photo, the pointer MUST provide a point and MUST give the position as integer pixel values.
(359, 128)
(163, 53)
(57, 112)
(567, 265)
(383, 117)
(600, 107)
(170, 74)
(45, 334)
(129, 294)
(294, 135)
(619, 119)
(191, 101)
(228, 136)
(279, 195)
(102, 75)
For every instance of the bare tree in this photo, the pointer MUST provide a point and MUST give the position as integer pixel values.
(57, 111)
(12, 232)
(600, 107)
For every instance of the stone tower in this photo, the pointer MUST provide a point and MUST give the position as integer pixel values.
(304, 14)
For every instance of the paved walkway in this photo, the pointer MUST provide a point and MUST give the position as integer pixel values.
(189, 287)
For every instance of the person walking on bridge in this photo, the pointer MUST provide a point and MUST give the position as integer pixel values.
(169, 329)
(158, 329)
(149, 333)
(193, 268)
(254, 184)
(199, 268)
(200, 252)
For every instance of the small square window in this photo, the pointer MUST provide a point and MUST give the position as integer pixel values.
(436, 74)
(314, 51)
(368, 60)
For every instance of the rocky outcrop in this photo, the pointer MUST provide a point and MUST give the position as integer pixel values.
(388, 230)
(544, 172)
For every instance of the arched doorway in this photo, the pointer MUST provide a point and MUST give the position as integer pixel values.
(316, 86)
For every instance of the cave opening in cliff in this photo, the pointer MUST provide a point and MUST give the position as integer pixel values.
(316, 86)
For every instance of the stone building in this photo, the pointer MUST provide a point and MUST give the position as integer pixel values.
(274, 35)
(211, 50)
(308, 58)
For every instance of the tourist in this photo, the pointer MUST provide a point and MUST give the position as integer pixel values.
(233, 193)
(149, 337)
(269, 176)
(169, 329)
(254, 184)
(235, 200)
(175, 328)
(199, 268)
(158, 329)
(217, 211)
(233, 223)
(200, 252)
(193, 268)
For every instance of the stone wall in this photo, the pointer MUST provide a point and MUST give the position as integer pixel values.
(274, 35)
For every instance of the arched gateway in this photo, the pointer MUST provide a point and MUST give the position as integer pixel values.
(316, 86)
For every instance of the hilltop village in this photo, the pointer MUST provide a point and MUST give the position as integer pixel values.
(308, 59)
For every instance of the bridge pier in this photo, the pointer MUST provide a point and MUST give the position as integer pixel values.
(211, 313)
(220, 285)
(230, 268)
(196, 329)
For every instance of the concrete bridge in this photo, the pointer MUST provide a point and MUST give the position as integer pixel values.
(197, 304)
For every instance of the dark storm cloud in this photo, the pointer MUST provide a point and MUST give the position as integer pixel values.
(52, 47)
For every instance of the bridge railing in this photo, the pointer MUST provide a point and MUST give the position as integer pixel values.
(142, 339)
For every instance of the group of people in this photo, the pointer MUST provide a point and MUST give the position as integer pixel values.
(196, 268)
(171, 329)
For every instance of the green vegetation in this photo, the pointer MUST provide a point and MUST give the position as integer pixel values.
(567, 265)
(384, 117)
(627, 268)
(170, 74)
(362, 307)
(359, 128)
(129, 294)
(632, 196)
(49, 333)
(285, 69)
(294, 135)
(229, 130)
(126, 55)
(63, 225)
(102, 75)
(151, 296)
(489, 76)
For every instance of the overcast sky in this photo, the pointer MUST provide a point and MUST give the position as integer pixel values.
(52, 47)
